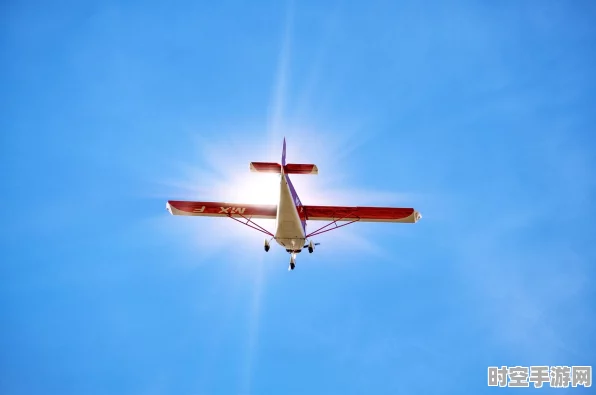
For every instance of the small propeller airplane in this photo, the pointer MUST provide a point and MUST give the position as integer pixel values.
(290, 214)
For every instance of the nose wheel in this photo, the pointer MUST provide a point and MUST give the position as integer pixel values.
(267, 245)
(292, 261)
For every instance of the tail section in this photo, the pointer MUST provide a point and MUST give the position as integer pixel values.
(290, 168)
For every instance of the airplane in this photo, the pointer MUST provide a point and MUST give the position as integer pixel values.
(290, 214)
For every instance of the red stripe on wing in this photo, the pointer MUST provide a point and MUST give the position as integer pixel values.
(219, 209)
(363, 214)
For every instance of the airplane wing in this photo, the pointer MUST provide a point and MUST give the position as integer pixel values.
(218, 209)
(362, 214)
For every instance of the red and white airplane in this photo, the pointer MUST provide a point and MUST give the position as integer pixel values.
(290, 214)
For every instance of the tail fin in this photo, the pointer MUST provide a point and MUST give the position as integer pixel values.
(290, 168)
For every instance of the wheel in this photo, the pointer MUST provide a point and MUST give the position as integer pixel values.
(292, 265)
(267, 245)
(310, 249)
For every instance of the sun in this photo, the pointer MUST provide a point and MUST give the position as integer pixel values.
(251, 188)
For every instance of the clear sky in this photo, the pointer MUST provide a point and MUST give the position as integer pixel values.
(479, 114)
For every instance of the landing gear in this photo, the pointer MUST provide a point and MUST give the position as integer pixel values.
(292, 261)
(311, 246)
(267, 245)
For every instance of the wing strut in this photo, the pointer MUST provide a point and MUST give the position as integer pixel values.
(334, 222)
(251, 224)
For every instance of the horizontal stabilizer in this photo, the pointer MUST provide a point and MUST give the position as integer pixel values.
(300, 168)
(218, 209)
(290, 168)
(265, 167)
(362, 214)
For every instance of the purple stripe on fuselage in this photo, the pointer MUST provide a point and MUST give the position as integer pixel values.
(297, 202)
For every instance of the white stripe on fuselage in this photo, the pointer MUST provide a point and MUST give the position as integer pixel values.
(289, 233)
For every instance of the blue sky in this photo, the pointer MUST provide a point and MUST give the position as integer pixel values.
(479, 115)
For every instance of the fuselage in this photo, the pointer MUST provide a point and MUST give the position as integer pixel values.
(291, 223)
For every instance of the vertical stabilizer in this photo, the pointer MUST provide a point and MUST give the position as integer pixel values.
(283, 154)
